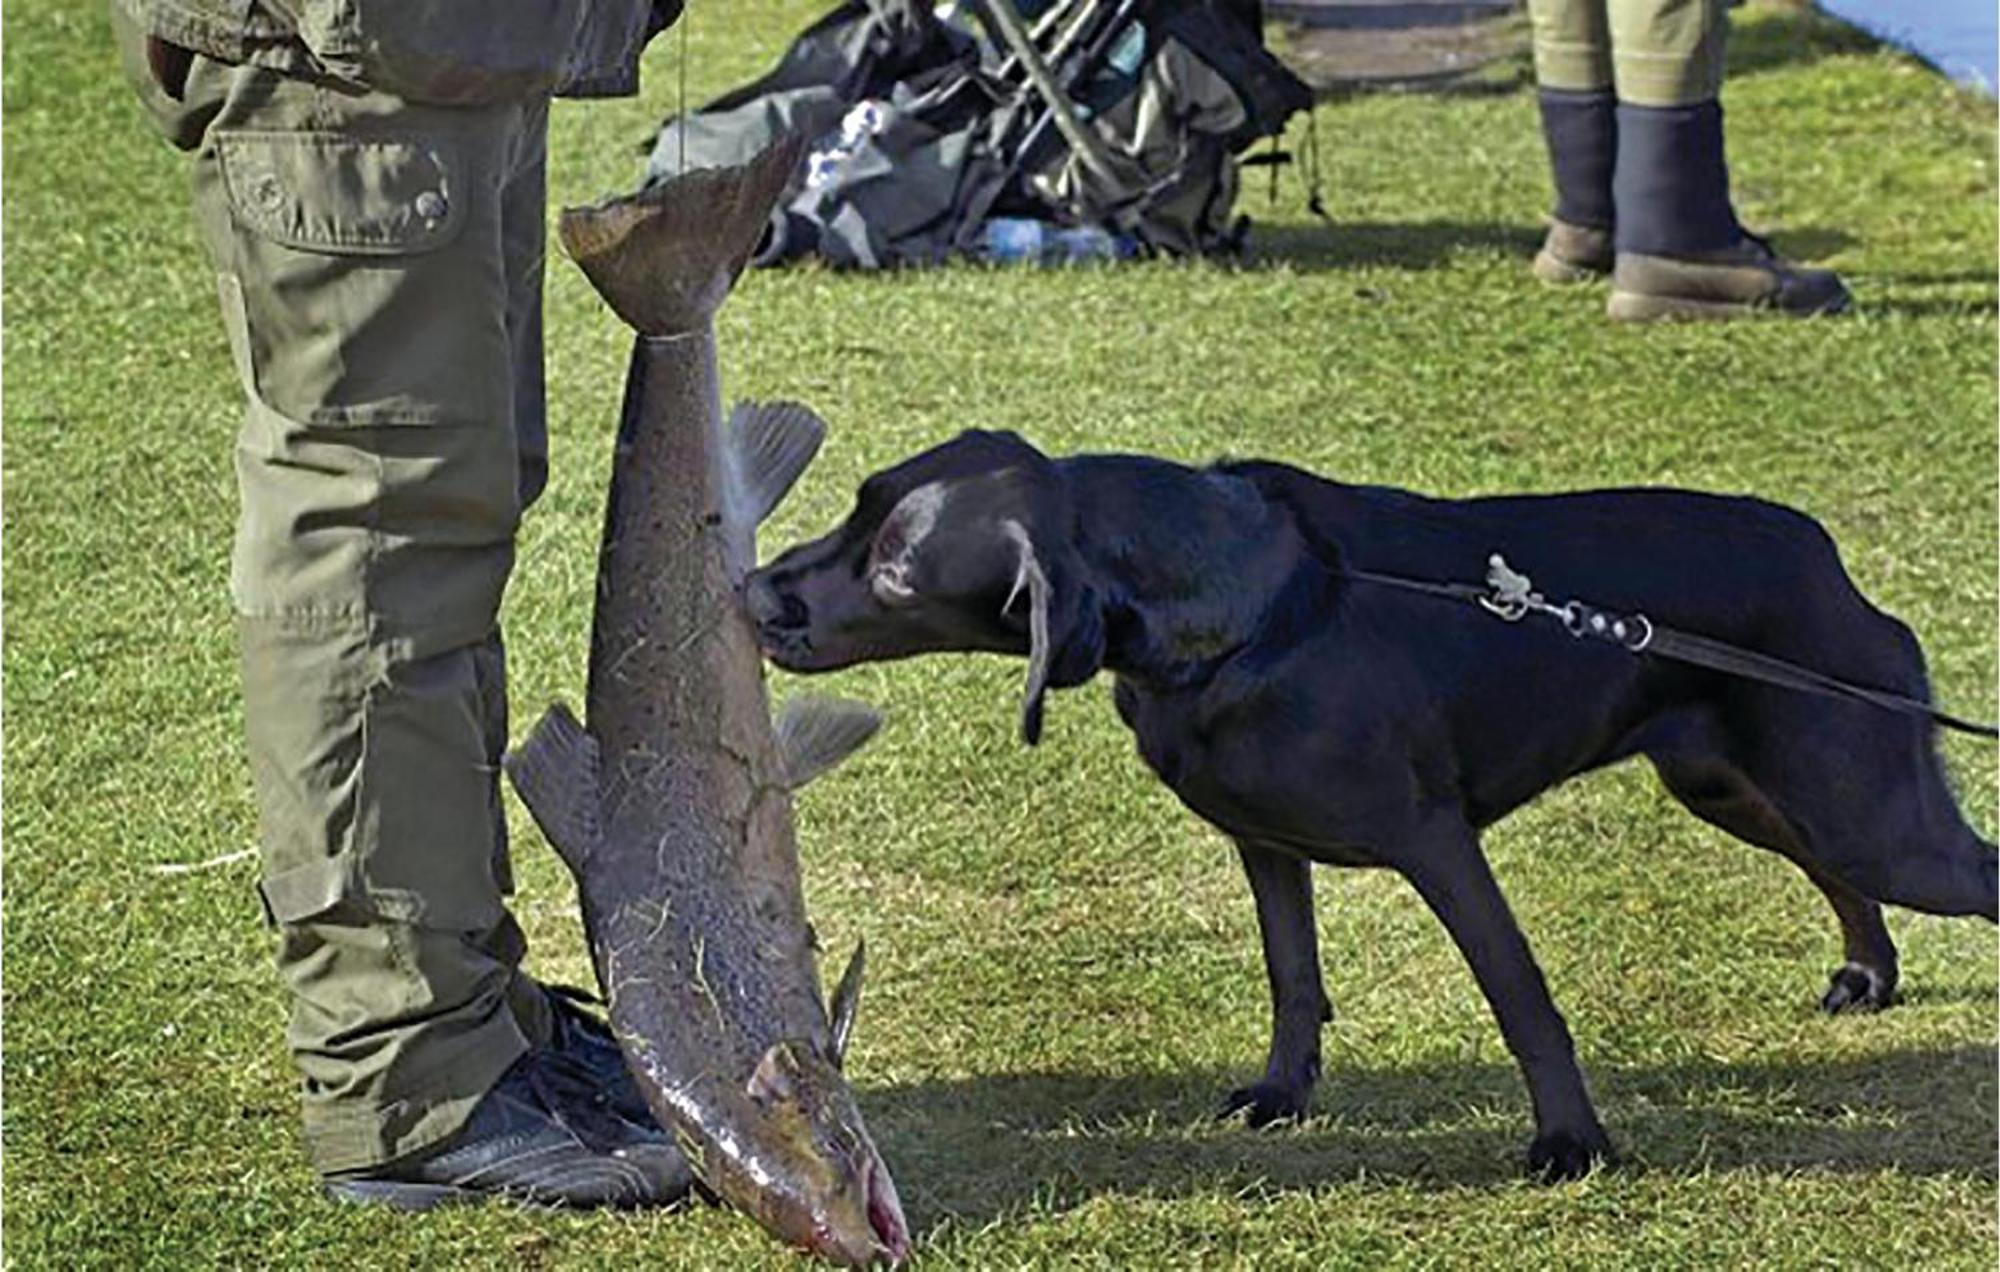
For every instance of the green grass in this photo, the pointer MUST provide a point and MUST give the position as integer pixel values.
(1064, 965)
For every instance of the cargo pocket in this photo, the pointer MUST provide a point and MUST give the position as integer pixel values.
(329, 192)
(355, 310)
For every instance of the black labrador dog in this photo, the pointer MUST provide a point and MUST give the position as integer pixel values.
(1314, 717)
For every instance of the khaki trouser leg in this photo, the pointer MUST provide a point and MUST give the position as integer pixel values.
(523, 252)
(1668, 52)
(1654, 52)
(1572, 44)
(380, 268)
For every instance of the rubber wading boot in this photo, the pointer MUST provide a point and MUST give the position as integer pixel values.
(1573, 254)
(1747, 279)
(1581, 131)
(536, 1138)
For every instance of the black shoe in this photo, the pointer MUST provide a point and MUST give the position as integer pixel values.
(580, 1037)
(536, 1137)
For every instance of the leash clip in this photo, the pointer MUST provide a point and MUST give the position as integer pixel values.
(1511, 598)
(1631, 632)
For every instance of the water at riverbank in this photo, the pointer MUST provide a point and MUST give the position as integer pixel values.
(1959, 37)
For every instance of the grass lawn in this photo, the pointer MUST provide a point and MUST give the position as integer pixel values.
(1064, 965)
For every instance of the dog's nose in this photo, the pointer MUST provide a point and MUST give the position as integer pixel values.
(769, 607)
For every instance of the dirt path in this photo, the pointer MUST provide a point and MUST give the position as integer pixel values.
(1342, 46)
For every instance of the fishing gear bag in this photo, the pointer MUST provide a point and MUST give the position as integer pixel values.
(925, 127)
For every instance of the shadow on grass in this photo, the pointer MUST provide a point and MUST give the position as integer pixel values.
(972, 1151)
(1399, 245)
(1985, 278)
(1927, 308)
(1969, 293)
(1925, 995)
(1430, 244)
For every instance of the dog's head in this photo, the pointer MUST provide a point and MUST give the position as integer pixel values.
(968, 546)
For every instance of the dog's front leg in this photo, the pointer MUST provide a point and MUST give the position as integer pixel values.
(1444, 861)
(1282, 884)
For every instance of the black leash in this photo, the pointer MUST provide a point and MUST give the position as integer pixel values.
(1509, 596)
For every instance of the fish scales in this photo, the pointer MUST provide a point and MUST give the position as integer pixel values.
(670, 702)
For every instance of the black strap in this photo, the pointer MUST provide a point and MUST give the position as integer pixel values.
(1703, 652)
(1637, 634)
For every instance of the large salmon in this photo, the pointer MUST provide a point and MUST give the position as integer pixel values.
(673, 808)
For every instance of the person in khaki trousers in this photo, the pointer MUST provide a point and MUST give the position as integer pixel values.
(1629, 93)
(369, 180)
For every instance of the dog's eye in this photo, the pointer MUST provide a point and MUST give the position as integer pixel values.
(888, 544)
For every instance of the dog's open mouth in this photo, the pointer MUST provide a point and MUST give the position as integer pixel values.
(789, 647)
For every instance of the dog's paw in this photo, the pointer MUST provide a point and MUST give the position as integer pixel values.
(1858, 988)
(1266, 1103)
(1559, 1155)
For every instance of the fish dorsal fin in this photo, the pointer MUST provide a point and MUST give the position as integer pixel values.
(814, 734)
(555, 772)
(846, 1001)
(769, 444)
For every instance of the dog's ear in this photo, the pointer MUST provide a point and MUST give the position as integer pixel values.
(1065, 622)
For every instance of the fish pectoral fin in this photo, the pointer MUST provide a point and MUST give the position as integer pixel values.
(846, 1000)
(770, 444)
(555, 772)
(814, 734)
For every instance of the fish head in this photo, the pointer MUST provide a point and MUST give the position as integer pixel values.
(806, 1168)
(969, 546)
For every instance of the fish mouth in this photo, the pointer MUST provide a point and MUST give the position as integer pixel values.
(887, 1239)
(885, 1216)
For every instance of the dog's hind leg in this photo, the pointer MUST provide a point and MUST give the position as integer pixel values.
(1901, 849)
(1282, 885)
(1444, 862)
(1724, 797)
(1865, 795)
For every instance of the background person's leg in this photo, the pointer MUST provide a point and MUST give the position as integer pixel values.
(1680, 250)
(1672, 184)
(1573, 75)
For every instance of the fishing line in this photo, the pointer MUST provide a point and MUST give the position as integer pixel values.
(681, 107)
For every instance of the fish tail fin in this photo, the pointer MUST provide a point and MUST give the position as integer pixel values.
(814, 734)
(768, 445)
(555, 773)
(665, 258)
